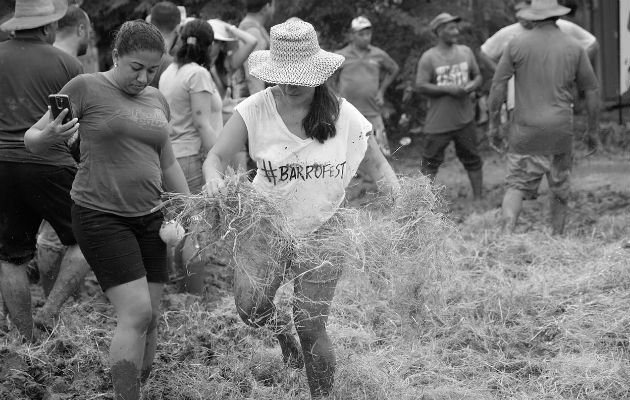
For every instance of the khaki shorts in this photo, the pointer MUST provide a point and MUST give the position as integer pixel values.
(526, 171)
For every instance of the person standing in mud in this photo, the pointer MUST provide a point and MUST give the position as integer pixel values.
(448, 74)
(73, 36)
(546, 63)
(297, 125)
(35, 187)
(364, 77)
(126, 160)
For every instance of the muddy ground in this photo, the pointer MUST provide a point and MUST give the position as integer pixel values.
(63, 367)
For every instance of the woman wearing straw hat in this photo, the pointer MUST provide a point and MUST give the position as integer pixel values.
(307, 145)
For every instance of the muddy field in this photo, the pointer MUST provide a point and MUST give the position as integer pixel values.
(522, 316)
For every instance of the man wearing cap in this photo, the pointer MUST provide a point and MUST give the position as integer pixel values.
(546, 63)
(448, 74)
(364, 77)
(492, 48)
(259, 14)
(166, 17)
(33, 187)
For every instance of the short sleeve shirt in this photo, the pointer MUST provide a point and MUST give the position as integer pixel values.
(494, 46)
(177, 83)
(122, 138)
(546, 63)
(360, 76)
(455, 68)
(30, 70)
(307, 177)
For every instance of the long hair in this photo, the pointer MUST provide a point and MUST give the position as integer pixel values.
(196, 37)
(320, 121)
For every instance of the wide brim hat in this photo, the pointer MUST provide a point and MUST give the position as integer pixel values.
(30, 14)
(220, 29)
(542, 9)
(294, 57)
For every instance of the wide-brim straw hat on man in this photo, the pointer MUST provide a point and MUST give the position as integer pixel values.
(542, 9)
(31, 14)
(294, 57)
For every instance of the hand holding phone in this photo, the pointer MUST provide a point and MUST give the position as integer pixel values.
(59, 102)
(62, 123)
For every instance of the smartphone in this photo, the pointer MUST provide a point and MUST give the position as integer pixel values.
(57, 103)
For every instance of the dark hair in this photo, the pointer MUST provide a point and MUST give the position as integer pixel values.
(196, 52)
(138, 35)
(319, 123)
(219, 64)
(166, 16)
(73, 18)
(253, 6)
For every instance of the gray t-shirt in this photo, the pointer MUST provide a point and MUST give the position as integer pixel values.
(455, 67)
(177, 83)
(30, 70)
(546, 63)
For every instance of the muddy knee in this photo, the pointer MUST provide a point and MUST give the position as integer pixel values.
(254, 310)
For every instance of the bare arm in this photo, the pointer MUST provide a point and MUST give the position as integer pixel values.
(201, 113)
(379, 169)
(246, 46)
(48, 131)
(172, 174)
(233, 138)
(391, 69)
(254, 84)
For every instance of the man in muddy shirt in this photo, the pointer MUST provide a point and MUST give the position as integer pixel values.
(546, 63)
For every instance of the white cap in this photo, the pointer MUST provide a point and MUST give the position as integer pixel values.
(360, 23)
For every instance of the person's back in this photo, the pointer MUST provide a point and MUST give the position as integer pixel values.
(547, 63)
(166, 17)
(32, 70)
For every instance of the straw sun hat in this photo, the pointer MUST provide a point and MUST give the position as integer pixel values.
(220, 29)
(295, 57)
(30, 14)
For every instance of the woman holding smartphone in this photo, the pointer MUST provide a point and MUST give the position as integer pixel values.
(126, 162)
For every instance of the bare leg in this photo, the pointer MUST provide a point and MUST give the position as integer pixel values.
(254, 291)
(132, 303)
(17, 296)
(311, 309)
(72, 272)
(155, 291)
(512, 204)
(476, 181)
(559, 210)
(48, 262)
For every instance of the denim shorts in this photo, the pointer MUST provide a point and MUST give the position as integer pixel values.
(191, 166)
(121, 249)
(30, 193)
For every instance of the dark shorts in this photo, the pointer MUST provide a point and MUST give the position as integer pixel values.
(30, 193)
(525, 172)
(121, 249)
(465, 147)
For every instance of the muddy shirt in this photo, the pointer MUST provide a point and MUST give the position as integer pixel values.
(360, 77)
(455, 67)
(122, 138)
(545, 63)
(30, 70)
(308, 178)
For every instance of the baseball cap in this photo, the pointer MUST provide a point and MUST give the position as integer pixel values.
(442, 19)
(360, 23)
